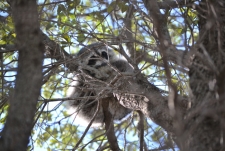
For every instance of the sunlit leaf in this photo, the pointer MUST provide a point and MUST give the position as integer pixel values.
(111, 6)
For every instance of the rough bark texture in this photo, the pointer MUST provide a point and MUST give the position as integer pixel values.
(17, 130)
(205, 122)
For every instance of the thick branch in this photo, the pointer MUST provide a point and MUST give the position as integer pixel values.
(173, 4)
(109, 125)
(128, 30)
(135, 92)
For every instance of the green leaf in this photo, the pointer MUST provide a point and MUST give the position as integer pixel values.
(2, 42)
(123, 7)
(67, 38)
(100, 16)
(81, 37)
(111, 7)
(49, 25)
(76, 2)
(61, 8)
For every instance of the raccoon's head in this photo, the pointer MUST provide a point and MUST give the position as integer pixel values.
(95, 60)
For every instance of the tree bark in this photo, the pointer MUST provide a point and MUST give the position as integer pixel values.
(17, 130)
(205, 122)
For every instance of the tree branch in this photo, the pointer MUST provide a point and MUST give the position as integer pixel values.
(109, 125)
(168, 4)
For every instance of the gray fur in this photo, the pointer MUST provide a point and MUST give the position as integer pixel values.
(98, 66)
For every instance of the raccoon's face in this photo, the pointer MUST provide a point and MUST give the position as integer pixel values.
(95, 60)
(99, 58)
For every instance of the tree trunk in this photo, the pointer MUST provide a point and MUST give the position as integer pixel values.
(205, 128)
(17, 130)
